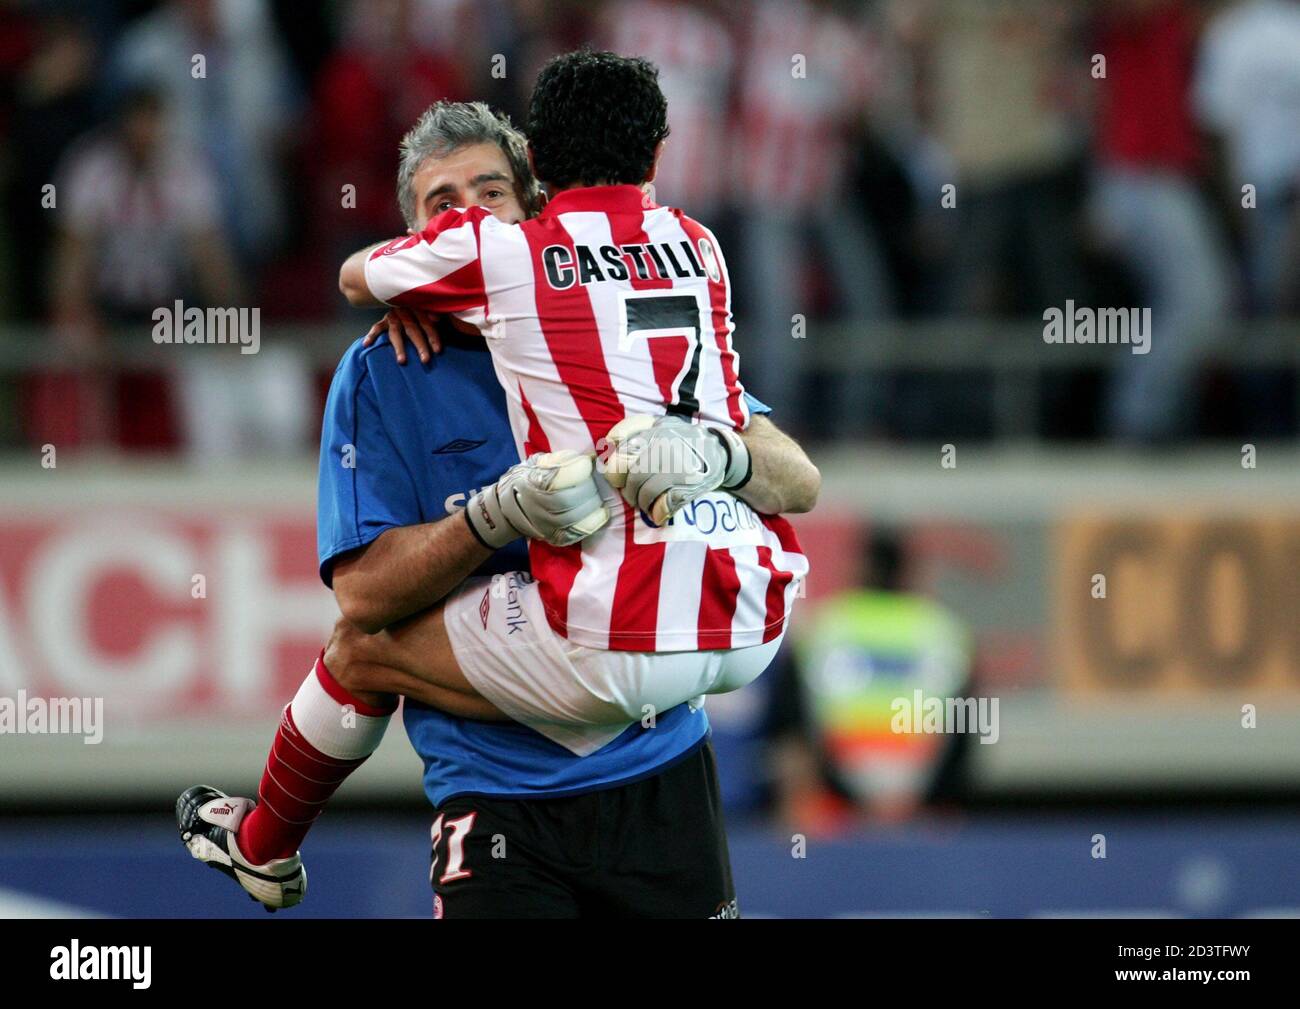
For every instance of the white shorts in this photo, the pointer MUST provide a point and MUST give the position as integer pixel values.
(582, 698)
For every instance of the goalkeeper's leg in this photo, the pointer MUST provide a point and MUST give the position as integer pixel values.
(510, 655)
(325, 733)
(329, 729)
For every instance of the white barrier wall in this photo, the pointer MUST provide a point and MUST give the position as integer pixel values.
(189, 606)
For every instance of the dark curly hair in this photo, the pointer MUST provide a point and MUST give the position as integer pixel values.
(595, 118)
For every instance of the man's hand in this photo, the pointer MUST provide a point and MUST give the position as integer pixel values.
(662, 465)
(549, 496)
(402, 324)
(419, 328)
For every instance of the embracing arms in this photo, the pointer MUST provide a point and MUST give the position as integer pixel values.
(352, 278)
(408, 569)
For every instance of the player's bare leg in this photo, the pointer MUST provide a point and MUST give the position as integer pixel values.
(413, 658)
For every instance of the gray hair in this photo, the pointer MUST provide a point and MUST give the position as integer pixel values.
(446, 126)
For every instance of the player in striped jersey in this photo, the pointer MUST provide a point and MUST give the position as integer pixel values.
(603, 307)
(394, 459)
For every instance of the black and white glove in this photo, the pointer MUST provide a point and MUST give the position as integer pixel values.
(661, 465)
(550, 496)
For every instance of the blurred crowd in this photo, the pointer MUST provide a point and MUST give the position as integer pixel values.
(861, 162)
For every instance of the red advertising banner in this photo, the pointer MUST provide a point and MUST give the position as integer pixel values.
(160, 611)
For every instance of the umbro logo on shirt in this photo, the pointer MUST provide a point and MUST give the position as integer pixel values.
(459, 445)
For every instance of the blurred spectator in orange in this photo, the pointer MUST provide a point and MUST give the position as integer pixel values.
(842, 725)
(1149, 162)
(805, 82)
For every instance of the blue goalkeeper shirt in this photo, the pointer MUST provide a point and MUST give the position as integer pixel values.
(407, 444)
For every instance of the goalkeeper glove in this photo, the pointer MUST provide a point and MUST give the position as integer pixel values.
(662, 465)
(549, 496)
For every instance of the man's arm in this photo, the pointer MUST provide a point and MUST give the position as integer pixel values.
(378, 550)
(434, 270)
(352, 278)
(784, 480)
(404, 571)
(407, 569)
(410, 568)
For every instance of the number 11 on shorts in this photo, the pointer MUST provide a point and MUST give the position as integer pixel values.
(457, 830)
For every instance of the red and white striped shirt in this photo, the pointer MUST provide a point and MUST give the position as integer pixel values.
(603, 307)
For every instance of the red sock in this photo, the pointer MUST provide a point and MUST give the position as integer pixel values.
(325, 734)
